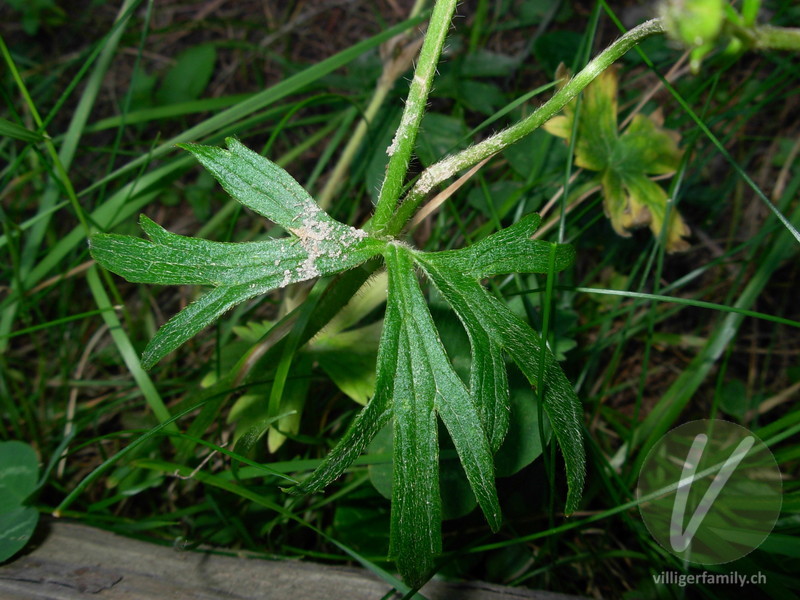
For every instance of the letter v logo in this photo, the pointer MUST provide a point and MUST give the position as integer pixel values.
(709, 492)
(678, 539)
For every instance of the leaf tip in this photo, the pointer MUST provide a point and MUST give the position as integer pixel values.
(234, 145)
(573, 502)
(567, 257)
(530, 223)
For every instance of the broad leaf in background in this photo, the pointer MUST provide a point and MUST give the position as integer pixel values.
(19, 475)
(189, 76)
(624, 161)
(348, 358)
(345, 352)
(416, 384)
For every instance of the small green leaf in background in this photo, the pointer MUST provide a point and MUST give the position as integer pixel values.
(351, 366)
(36, 13)
(734, 399)
(536, 155)
(461, 81)
(253, 418)
(439, 136)
(526, 13)
(293, 400)
(142, 88)
(19, 474)
(521, 445)
(362, 522)
(624, 161)
(347, 354)
(189, 76)
(480, 96)
(485, 63)
(501, 194)
(553, 48)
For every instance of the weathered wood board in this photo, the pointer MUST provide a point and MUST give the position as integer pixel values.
(75, 562)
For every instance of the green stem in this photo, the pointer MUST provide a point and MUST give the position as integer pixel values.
(767, 37)
(450, 165)
(403, 143)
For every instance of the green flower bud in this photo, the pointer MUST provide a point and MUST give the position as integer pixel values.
(694, 23)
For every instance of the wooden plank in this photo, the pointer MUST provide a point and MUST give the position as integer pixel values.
(75, 562)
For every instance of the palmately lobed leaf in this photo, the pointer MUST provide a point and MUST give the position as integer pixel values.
(416, 384)
(624, 161)
(239, 271)
(426, 385)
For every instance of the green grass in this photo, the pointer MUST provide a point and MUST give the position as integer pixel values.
(649, 340)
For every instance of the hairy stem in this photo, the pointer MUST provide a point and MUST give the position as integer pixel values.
(449, 166)
(406, 135)
(767, 37)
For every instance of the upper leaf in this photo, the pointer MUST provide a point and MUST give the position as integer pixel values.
(415, 382)
(624, 161)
